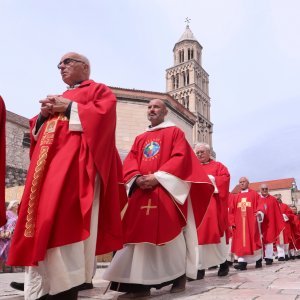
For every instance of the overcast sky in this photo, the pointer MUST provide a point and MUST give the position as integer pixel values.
(251, 50)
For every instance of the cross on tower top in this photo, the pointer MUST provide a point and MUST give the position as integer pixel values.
(187, 21)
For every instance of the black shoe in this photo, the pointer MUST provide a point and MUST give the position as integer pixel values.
(135, 295)
(200, 274)
(213, 267)
(258, 264)
(229, 263)
(287, 257)
(17, 285)
(281, 259)
(292, 257)
(178, 285)
(269, 261)
(224, 269)
(85, 286)
(71, 294)
(241, 266)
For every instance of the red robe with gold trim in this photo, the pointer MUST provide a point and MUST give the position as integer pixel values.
(2, 162)
(245, 235)
(168, 151)
(215, 222)
(56, 205)
(273, 222)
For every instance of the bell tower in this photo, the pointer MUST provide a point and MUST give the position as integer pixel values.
(187, 82)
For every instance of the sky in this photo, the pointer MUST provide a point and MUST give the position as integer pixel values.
(251, 50)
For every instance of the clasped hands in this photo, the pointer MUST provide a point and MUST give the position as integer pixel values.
(53, 104)
(146, 181)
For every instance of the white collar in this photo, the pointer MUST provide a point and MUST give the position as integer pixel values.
(164, 124)
(245, 191)
(73, 86)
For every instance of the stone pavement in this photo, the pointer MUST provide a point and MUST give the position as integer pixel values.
(281, 281)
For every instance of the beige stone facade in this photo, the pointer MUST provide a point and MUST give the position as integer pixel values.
(17, 149)
(132, 116)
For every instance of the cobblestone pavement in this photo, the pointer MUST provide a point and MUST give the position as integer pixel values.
(281, 281)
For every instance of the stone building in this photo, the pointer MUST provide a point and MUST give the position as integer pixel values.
(186, 98)
(17, 154)
(132, 116)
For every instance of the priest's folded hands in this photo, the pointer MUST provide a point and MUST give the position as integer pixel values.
(54, 104)
(146, 181)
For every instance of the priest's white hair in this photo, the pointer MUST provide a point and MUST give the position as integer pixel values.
(205, 145)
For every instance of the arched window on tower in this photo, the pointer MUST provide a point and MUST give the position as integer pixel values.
(203, 85)
(187, 77)
(182, 55)
(177, 81)
(187, 102)
(184, 78)
(173, 81)
(204, 110)
(189, 54)
(192, 53)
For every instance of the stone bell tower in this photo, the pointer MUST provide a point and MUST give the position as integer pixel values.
(188, 82)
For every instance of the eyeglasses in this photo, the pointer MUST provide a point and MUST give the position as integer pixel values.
(66, 61)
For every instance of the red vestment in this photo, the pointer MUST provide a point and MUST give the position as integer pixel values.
(242, 210)
(165, 150)
(215, 222)
(2, 162)
(273, 222)
(287, 234)
(295, 232)
(56, 205)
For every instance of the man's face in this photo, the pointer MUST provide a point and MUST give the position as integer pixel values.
(278, 197)
(72, 69)
(294, 209)
(264, 190)
(243, 183)
(156, 112)
(203, 154)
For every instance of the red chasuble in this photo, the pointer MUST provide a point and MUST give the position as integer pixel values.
(245, 237)
(295, 233)
(56, 205)
(215, 222)
(2, 162)
(273, 222)
(153, 216)
(287, 234)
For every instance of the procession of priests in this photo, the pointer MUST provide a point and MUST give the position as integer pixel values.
(165, 212)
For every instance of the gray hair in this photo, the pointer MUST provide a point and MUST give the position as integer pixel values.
(12, 204)
(245, 178)
(205, 145)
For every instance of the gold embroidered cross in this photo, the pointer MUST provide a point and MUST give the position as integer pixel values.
(148, 207)
(243, 205)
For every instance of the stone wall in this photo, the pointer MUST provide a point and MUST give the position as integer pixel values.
(17, 149)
